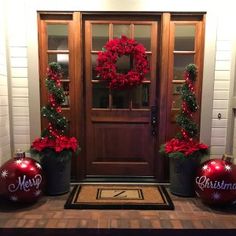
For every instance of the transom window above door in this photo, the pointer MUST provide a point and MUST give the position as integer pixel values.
(131, 99)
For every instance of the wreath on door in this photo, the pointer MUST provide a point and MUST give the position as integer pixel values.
(106, 63)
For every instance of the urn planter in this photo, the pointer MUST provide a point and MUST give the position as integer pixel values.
(182, 176)
(57, 170)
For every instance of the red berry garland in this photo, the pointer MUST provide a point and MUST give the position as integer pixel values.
(106, 63)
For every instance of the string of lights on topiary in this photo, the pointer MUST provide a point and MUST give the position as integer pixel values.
(57, 123)
(188, 128)
(185, 144)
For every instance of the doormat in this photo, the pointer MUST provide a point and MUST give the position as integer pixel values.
(119, 196)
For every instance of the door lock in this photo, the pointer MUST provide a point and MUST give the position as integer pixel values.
(153, 120)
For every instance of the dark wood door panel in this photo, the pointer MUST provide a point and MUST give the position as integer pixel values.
(120, 145)
(119, 138)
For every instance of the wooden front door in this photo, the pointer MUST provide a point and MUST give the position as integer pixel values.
(121, 134)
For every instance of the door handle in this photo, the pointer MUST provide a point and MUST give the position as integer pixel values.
(153, 120)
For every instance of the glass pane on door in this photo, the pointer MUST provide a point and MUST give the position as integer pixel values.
(120, 99)
(140, 96)
(57, 36)
(184, 37)
(119, 30)
(180, 62)
(142, 33)
(100, 96)
(63, 60)
(94, 64)
(100, 36)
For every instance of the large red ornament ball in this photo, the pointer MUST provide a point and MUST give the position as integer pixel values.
(215, 182)
(21, 180)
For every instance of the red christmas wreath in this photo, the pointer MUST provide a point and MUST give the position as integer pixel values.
(106, 63)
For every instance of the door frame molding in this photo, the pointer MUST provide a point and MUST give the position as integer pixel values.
(159, 171)
(162, 72)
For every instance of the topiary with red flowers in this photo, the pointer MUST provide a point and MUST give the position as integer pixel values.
(185, 144)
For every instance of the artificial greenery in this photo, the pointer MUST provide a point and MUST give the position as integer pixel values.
(186, 144)
(188, 126)
(52, 111)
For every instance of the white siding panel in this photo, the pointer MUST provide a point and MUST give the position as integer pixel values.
(5, 151)
(2, 58)
(218, 104)
(222, 75)
(20, 102)
(3, 110)
(17, 46)
(218, 142)
(222, 123)
(3, 69)
(4, 131)
(221, 85)
(218, 132)
(221, 95)
(4, 121)
(217, 150)
(19, 72)
(5, 154)
(22, 146)
(18, 52)
(3, 80)
(223, 55)
(3, 90)
(223, 45)
(19, 62)
(19, 82)
(3, 102)
(4, 140)
(22, 139)
(17, 41)
(234, 138)
(223, 112)
(234, 141)
(223, 31)
(20, 111)
(21, 120)
(222, 65)
(20, 92)
(21, 130)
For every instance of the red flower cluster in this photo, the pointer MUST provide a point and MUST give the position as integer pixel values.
(54, 75)
(187, 147)
(106, 63)
(58, 144)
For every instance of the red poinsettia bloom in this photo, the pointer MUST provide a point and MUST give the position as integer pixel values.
(187, 147)
(58, 144)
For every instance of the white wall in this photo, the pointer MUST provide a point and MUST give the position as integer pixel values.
(23, 62)
(17, 30)
(5, 150)
(222, 85)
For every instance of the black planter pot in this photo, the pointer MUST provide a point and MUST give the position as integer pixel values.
(57, 171)
(182, 176)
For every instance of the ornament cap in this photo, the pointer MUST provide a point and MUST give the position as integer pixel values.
(19, 153)
(228, 158)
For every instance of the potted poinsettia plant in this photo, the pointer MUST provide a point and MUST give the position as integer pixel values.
(185, 151)
(54, 147)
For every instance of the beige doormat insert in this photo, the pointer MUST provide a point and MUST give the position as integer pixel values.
(119, 196)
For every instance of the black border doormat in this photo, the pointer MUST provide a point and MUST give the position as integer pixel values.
(119, 196)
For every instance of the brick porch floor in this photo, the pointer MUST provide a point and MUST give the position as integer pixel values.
(48, 217)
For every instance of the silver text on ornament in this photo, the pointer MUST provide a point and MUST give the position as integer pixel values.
(204, 182)
(25, 184)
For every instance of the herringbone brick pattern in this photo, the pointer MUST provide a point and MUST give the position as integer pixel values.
(48, 212)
